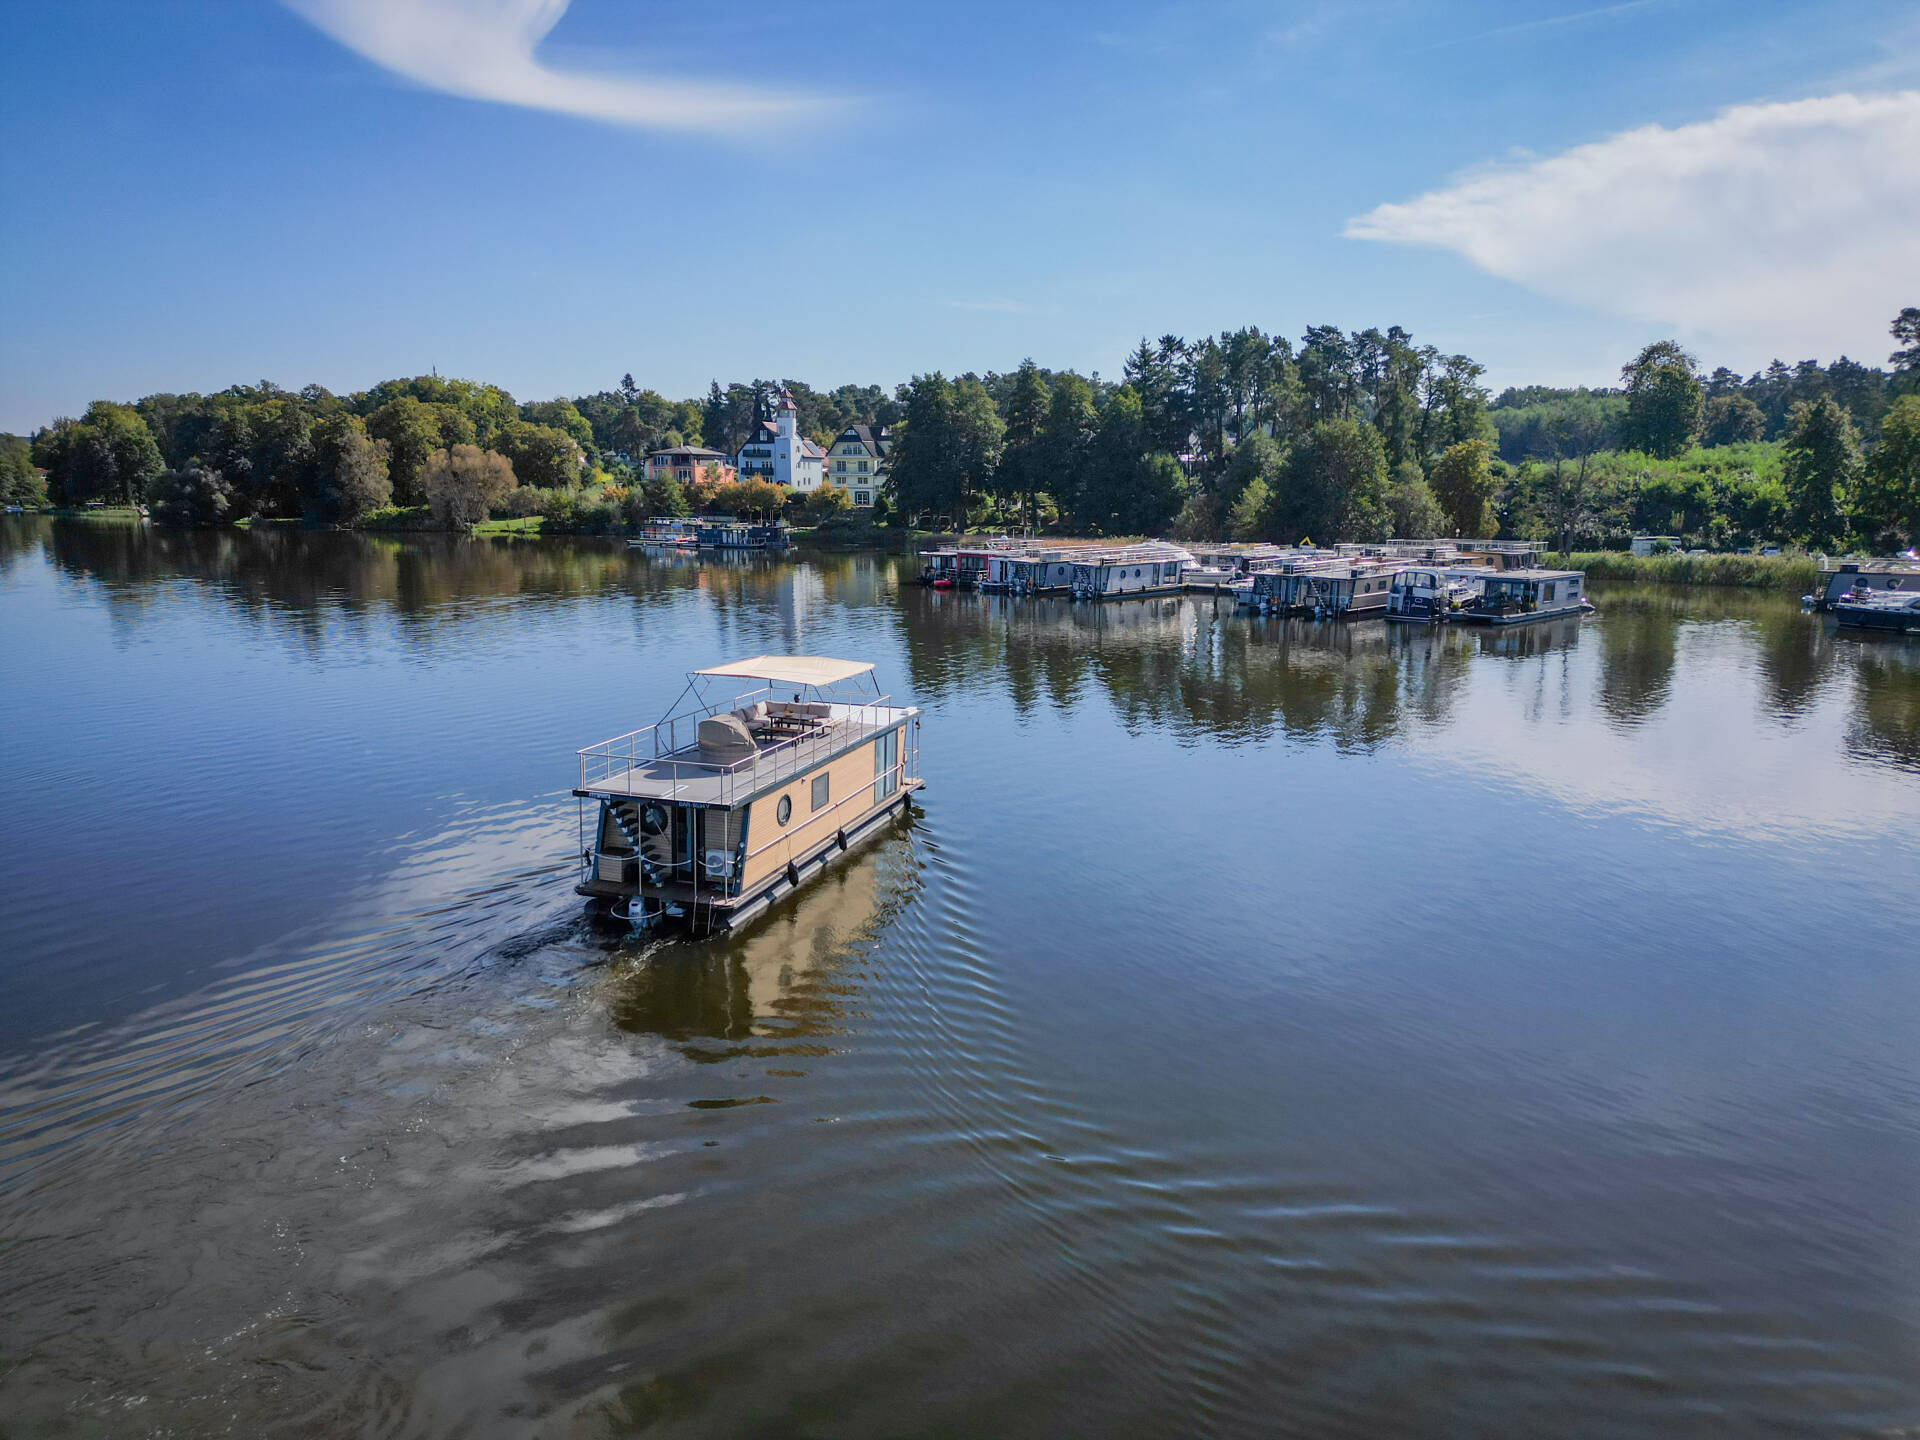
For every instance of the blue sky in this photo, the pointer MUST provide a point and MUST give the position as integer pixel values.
(548, 195)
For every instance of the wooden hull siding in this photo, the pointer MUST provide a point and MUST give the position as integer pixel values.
(863, 785)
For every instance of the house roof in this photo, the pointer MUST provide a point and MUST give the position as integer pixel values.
(870, 436)
(692, 452)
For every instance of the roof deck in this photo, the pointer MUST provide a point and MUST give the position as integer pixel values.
(764, 739)
(659, 763)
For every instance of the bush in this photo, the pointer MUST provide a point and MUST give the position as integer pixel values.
(191, 495)
(462, 485)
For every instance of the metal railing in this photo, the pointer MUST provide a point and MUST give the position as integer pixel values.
(665, 747)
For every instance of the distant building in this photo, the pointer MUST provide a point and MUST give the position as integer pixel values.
(857, 462)
(689, 463)
(778, 452)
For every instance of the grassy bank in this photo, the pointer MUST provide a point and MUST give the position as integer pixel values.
(1791, 573)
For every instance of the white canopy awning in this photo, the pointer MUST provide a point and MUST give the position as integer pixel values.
(815, 670)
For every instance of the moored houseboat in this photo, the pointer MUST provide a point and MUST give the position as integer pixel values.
(1429, 594)
(763, 772)
(1853, 577)
(1518, 597)
(666, 532)
(1150, 568)
(740, 535)
(1333, 591)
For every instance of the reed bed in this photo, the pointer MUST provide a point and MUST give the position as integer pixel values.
(1793, 573)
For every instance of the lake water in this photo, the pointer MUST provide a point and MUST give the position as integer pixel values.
(1258, 1028)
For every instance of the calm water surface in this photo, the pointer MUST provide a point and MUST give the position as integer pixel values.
(1259, 1028)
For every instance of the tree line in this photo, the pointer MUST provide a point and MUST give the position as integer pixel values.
(1340, 435)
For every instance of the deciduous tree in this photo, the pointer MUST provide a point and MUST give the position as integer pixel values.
(1664, 406)
(1733, 420)
(464, 483)
(1889, 504)
(1463, 483)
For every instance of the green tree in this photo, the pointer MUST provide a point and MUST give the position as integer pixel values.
(1889, 501)
(109, 454)
(1060, 453)
(564, 416)
(463, 484)
(663, 496)
(1906, 330)
(1733, 420)
(925, 480)
(1410, 501)
(1822, 464)
(1249, 516)
(542, 456)
(827, 502)
(1256, 459)
(1125, 490)
(1021, 472)
(1336, 486)
(413, 431)
(348, 474)
(1463, 483)
(1664, 404)
(20, 482)
(192, 495)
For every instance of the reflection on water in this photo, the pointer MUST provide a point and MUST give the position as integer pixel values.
(1262, 1026)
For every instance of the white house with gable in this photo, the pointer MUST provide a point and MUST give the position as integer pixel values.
(777, 451)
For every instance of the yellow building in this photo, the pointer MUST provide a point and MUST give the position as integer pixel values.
(857, 462)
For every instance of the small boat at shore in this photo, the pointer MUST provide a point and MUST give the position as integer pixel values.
(1893, 611)
(1520, 597)
(763, 772)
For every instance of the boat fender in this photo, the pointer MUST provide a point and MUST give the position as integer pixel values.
(793, 874)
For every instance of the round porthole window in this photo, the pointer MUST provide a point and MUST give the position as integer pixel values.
(653, 820)
(784, 811)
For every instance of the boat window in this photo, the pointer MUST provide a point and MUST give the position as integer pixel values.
(1550, 590)
(784, 811)
(819, 792)
(653, 820)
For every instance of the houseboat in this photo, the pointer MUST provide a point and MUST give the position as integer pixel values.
(1331, 592)
(763, 772)
(1519, 597)
(1897, 611)
(666, 532)
(1428, 594)
(1853, 577)
(740, 535)
(1222, 569)
(1151, 568)
(964, 567)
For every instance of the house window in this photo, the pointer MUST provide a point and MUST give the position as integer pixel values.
(820, 792)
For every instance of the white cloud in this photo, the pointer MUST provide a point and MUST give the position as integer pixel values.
(1781, 229)
(484, 50)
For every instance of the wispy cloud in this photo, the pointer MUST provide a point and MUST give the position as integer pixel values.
(484, 50)
(1783, 228)
(1546, 22)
